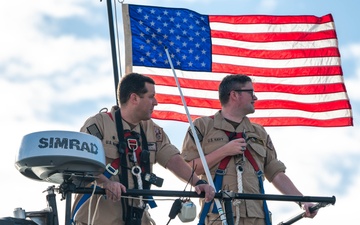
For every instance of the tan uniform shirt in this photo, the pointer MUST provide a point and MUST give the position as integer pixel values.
(161, 150)
(211, 131)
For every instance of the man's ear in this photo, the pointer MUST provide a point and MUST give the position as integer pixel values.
(133, 98)
(233, 94)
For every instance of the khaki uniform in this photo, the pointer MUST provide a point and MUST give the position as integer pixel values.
(212, 136)
(161, 150)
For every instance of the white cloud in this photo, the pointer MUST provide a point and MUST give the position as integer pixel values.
(268, 5)
(351, 53)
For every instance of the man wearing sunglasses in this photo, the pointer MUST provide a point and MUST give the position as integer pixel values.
(239, 154)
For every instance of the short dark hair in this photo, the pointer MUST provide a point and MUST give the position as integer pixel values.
(132, 83)
(229, 83)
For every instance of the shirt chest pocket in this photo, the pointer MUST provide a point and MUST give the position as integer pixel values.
(257, 145)
(111, 144)
(111, 151)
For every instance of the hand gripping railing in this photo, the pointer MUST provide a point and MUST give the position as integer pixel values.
(301, 215)
(224, 195)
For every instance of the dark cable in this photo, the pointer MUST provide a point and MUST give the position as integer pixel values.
(175, 209)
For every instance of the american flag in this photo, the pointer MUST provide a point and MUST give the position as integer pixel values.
(294, 62)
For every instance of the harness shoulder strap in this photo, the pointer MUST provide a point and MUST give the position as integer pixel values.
(259, 173)
(218, 180)
(121, 149)
(252, 161)
(110, 115)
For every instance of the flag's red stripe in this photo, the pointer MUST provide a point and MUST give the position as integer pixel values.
(277, 72)
(298, 121)
(190, 101)
(259, 87)
(264, 19)
(269, 121)
(309, 107)
(300, 89)
(169, 115)
(187, 83)
(275, 54)
(272, 37)
(259, 104)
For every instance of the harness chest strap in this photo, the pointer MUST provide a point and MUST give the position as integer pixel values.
(112, 169)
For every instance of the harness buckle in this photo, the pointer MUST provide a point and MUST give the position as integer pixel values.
(111, 169)
(132, 144)
(240, 168)
(259, 173)
(136, 170)
(220, 172)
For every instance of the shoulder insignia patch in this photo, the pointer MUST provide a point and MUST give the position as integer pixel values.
(158, 134)
(199, 135)
(269, 143)
(94, 130)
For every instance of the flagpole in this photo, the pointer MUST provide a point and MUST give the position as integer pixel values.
(197, 142)
(113, 46)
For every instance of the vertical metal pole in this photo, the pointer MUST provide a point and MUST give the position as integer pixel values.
(197, 142)
(51, 201)
(68, 208)
(113, 46)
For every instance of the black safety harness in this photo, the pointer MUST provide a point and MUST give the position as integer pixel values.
(129, 149)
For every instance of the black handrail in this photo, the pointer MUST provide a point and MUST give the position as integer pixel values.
(169, 193)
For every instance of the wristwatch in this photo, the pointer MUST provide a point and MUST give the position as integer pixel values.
(201, 182)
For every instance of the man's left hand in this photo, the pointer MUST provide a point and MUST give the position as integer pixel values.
(306, 206)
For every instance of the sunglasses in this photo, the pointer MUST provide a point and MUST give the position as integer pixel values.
(250, 91)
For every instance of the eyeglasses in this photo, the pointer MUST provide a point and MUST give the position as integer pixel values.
(250, 91)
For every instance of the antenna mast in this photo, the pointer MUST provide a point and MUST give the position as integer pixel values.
(113, 45)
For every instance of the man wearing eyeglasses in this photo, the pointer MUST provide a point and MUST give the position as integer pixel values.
(239, 154)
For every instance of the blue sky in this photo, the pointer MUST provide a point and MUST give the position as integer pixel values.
(56, 71)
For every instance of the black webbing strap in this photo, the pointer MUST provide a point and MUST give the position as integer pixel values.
(123, 176)
(144, 158)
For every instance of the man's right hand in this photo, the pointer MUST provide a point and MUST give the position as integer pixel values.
(113, 190)
(236, 147)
